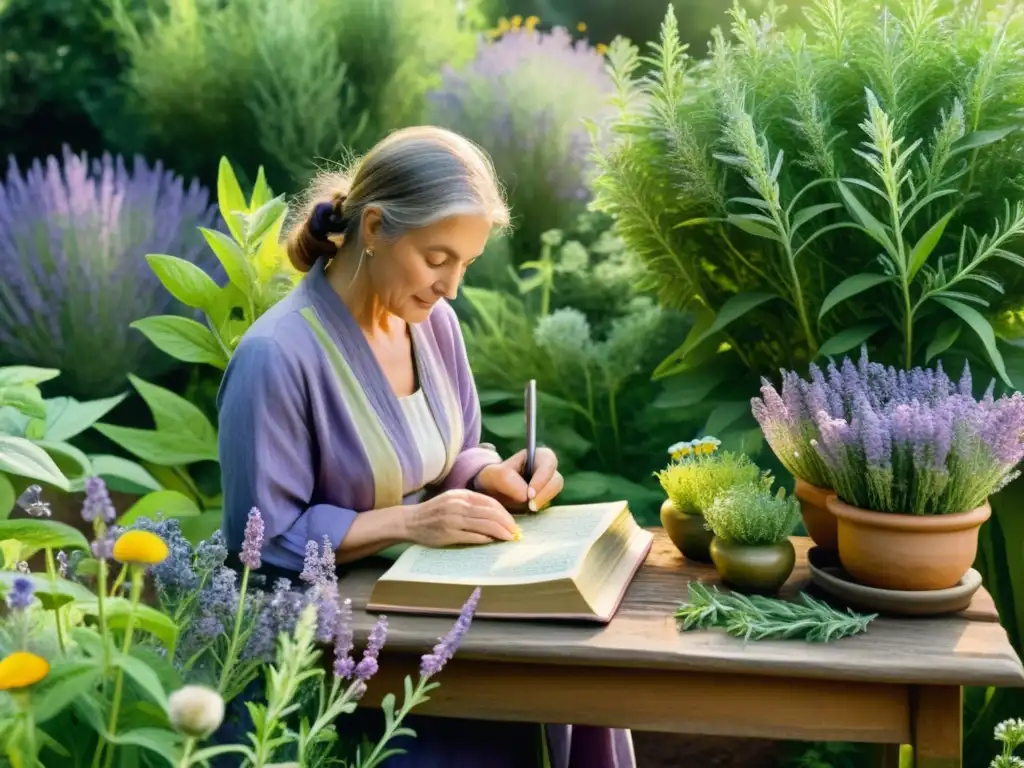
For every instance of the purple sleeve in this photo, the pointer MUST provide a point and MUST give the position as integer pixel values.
(266, 455)
(474, 455)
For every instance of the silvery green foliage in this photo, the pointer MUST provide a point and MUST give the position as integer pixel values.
(74, 234)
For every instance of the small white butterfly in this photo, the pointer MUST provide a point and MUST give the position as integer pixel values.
(31, 501)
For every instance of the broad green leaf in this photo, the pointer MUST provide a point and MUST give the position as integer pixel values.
(26, 399)
(66, 681)
(231, 257)
(143, 676)
(115, 468)
(259, 222)
(35, 533)
(506, 425)
(849, 288)
(924, 247)
(173, 413)
(983, 329)
(732, 310)
(26, 375)
(8, 496)
(848, 339)
(50, 594)
(201, 527)
(261, 192)
(874, 227)
(691, 387)
(979, 139)
(117, 609)
(185, 281)
(90, 641)
(165, 503)
(806, 214)
(230, 197)
(945, 336)
(182, 338)
(724, 415)
(66, 417)
(168, 449)
(162, 742)
(71, 461)
(22, 458)
(751, 226)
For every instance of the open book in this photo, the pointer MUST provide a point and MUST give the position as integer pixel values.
(571, 562)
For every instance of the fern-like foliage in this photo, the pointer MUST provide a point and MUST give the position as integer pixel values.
(856, 178)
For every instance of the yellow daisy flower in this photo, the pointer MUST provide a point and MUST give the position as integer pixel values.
(581, 27)
(22, 669)
(140, 548)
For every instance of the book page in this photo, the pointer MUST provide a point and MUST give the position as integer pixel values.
(553, 545)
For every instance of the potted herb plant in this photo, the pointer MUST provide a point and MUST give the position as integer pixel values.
(789, 429)
(697, 474)
(751, 548)
(913, 458)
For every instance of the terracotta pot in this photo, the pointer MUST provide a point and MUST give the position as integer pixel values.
(750, 568)
(907, 552)
(687, 532)
(818, 520)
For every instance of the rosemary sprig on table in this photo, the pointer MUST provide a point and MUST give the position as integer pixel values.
(758, 618)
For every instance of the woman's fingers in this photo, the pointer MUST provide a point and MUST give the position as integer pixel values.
(549, 491)
(544, 470)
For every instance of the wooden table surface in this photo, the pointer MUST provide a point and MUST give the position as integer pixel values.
(897, 683)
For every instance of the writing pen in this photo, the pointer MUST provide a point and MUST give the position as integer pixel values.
(530, 412)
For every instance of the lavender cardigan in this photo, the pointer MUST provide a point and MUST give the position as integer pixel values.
(311, 433)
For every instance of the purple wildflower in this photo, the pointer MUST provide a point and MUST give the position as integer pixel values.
(175, 576)
(253, 542)
(72, 235)
(20, 596)
(367, 666)
(97, 504)
(311, 564)
(62, 564)
(433, 662)
(344, 664)
(102, 546)
(211, 553)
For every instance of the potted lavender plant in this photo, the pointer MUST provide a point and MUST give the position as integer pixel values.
(789, 429)
(913, 458)
(751, 548)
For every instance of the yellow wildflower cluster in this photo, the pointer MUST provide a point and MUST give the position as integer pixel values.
(703, 446)
(514, 24)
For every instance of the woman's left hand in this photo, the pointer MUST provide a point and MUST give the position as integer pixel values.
(505, 481)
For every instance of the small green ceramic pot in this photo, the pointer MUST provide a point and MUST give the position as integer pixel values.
(755, 569)
(687, 532)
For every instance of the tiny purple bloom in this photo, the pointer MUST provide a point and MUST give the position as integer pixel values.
(344, 665)
(253, 541)
(367, 666)
(20, 596)
(433, 662)
(97, 505)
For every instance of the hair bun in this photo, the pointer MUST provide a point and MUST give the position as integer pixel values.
(327, 219)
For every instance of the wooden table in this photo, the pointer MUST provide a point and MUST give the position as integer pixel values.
(898, 683)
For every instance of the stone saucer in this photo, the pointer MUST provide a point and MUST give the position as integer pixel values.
(828, 575)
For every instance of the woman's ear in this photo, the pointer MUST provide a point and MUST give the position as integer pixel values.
(370, 227)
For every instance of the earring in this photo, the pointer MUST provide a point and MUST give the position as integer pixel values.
(367, 252)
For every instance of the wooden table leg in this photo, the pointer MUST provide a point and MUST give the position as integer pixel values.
(936, 727)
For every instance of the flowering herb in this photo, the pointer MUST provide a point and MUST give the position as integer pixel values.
(700, 473)
(73, 236)
(750, 514)
(911, 442)
(1009, 733)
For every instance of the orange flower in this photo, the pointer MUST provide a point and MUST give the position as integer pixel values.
(22, 669)
(140, 548)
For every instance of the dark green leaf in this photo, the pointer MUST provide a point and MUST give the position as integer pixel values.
(924, 247)
(806, 214)
(945, 336)
(161, 741)
(200, 528)
(849, 288)
(22, 458)
(174, 413)
(166, 449)
(182, 338)
(983, 329)
(506, 425)
(90, 641)
(979, 139)
(117, 609)
(724, 415)
(185, 281)
(71, 461)
(873, 226)
(166, 503)
(51, 595)
(732, 309)
(113, 468)
(690, 387)
(66, 417)
(35, 534)
(143, 676)
(66, 681)
(848, 339)
(748, 224)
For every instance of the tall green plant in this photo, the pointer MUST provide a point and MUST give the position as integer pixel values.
(803, 191)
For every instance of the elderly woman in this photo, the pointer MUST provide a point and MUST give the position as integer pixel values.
(349, 409)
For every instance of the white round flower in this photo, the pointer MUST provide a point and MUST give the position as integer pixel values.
(196, 710)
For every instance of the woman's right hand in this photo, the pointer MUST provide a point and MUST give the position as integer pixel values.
(459, 517)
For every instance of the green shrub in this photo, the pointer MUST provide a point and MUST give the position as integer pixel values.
(750, 514)
(694, 482)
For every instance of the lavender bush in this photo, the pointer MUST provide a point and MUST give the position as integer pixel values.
(524, 98)
(74, 234)
(910, 442)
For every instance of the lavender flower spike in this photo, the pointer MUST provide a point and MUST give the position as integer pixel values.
(367, 667)
(97, 505)
(20, 596)
(344, 665)
(311, 564)
(253, 542)
(433, 662)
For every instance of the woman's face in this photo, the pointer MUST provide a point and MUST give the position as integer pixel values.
(411, 273)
